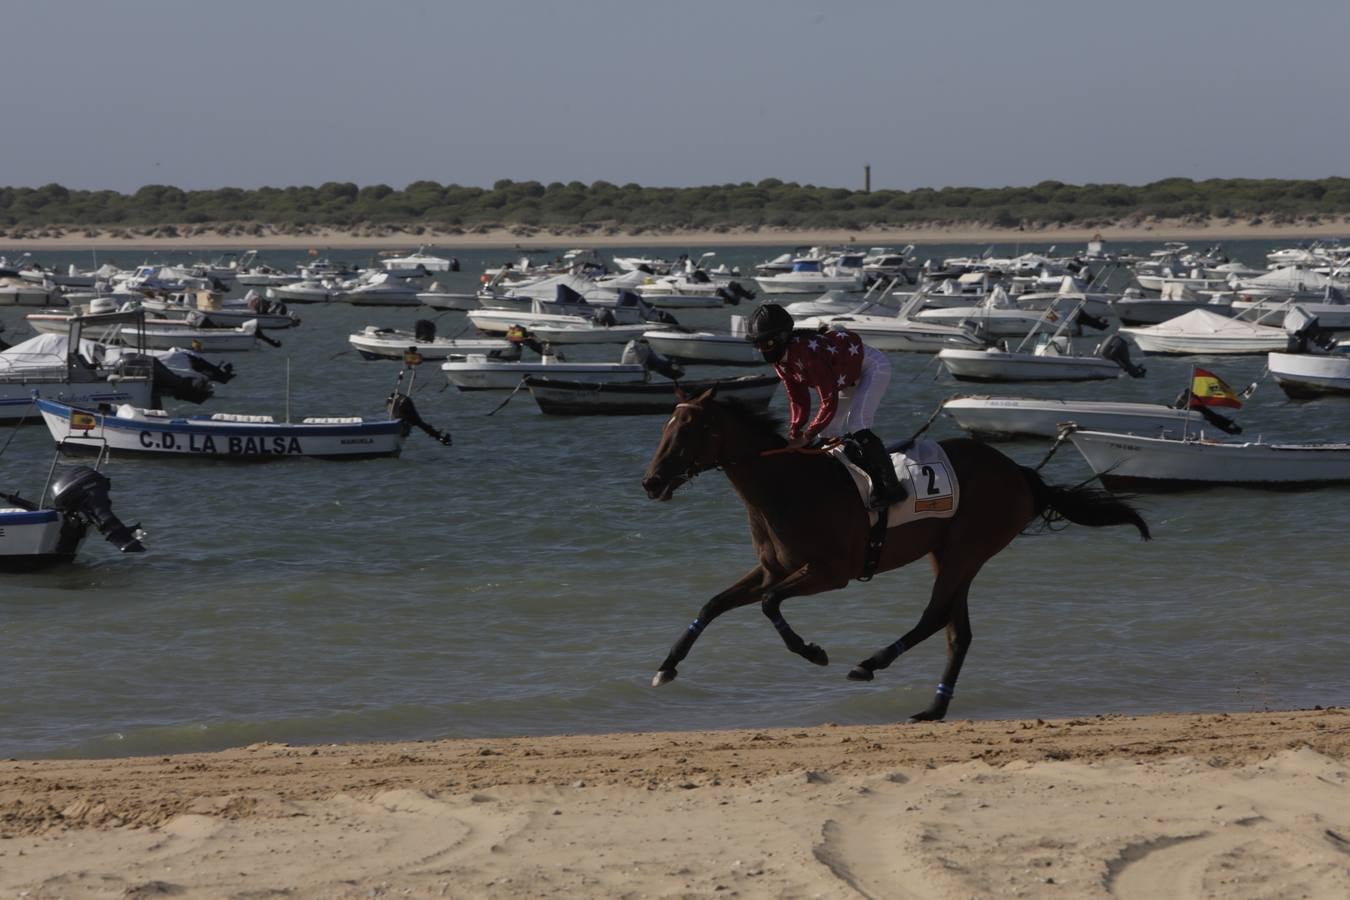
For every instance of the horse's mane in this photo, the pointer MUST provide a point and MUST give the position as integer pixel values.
(760, 421)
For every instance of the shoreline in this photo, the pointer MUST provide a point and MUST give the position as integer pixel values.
(1056, 808)
(76, 239)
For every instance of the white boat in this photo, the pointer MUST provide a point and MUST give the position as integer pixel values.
(712, 347)
(374, 342)
(420, 259)
(16, 291)
(813, 277)
(1050, 360)
(1203, 332)
(1148, 463)
(377, 289)
(1306, 375)
(1132, 308)
(46, 366)
(437, 297)
(485, 372)
(1331, 310)
(211, 309)
(562, 397)
(48, 530)
(569, 309)
(308, 290)
(590, 331)
(235, 437)
(1043, 417)
(996, 316)
(887, 329)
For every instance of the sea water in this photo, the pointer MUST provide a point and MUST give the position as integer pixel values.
(520, 582)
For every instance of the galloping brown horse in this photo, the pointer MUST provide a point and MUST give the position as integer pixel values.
(810, 529)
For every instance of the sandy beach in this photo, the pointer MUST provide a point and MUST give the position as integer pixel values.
(1203, 805)
(264, 237)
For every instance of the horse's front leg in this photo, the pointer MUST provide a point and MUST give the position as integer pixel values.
(802, 581)
(745, 591)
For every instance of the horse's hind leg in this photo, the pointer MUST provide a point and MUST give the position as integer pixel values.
(744, 592)
(946, 607)
(958, 642)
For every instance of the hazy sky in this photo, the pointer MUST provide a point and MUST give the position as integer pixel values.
(116, 94)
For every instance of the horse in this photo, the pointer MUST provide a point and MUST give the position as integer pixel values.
(810, 527)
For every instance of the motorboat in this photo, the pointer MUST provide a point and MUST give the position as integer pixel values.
(48, 530)
(377, 289)
(887, 329)
(564, 397)
(1133, 308)
(71, 368)
(1331, 310)
(997, 316)
(235, 437)
(1203, 332)
(437, 297)
(729, 348)
(1051, 359)
(17, 291)
(1136, 462)
(571, 309)
(488, 371)
(1303, 376)
(419, 260)
(211, 309)
(993, 417)
(809, 276)
(306, 290)
(375, 342)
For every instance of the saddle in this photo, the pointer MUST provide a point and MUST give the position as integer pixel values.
(866, 451)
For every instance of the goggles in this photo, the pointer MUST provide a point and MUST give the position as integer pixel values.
(769, 342)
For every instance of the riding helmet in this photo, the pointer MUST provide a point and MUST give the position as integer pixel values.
(769, 329)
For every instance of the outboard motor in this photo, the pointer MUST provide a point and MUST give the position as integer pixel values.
(401, 407)
(641, 352)
(82, 491)
(1304, 332)
(1117, 349)
(181, 387)
(739, 291)
(1092, 321)
(217, 373)
(424, 330)
(727, 297)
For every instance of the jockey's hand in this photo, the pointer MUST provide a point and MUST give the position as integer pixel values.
(800, 440)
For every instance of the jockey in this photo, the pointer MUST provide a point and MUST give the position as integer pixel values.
(849, 378)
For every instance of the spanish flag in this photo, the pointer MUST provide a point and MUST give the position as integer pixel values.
(1208, 389)
(82, 421)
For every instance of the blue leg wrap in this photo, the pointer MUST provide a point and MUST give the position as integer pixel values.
(945, 691)
(696, 626)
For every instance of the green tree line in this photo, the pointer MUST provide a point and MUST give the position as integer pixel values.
(770, 202)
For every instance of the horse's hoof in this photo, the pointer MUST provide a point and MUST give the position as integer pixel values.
(928, 715)
(663, 676)
(858, 673)
(815, 654)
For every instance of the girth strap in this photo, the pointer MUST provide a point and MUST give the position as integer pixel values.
(876, 537)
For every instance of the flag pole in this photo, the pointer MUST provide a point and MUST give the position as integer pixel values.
(1190, 398)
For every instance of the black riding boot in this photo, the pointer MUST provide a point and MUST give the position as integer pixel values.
(886, 487)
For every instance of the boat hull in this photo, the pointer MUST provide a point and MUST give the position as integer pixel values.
(998, 365)
(213, 438)
(483, 375)
(1304, 376)
(579, 398)
(1037, 417)
(1161, 464)
(704, 347)
(34, 539)
(17, 402)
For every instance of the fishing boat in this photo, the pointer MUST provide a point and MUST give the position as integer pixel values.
(48, 530)
(486, 372)
(1043, 355)
(376, 342)
(721, 348)
(1203, 332)
(560, 397)
(235, 437)
(1003, 417)
(1303, 376)
(1136, 462)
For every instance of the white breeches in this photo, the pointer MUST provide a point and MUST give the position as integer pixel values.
(858, 404)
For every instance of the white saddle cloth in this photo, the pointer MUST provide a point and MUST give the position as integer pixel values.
(931, 489)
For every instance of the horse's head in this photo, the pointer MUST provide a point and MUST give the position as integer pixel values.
(705, 433)
(690, 443)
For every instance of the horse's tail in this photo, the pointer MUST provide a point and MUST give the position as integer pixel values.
(1082, 505)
